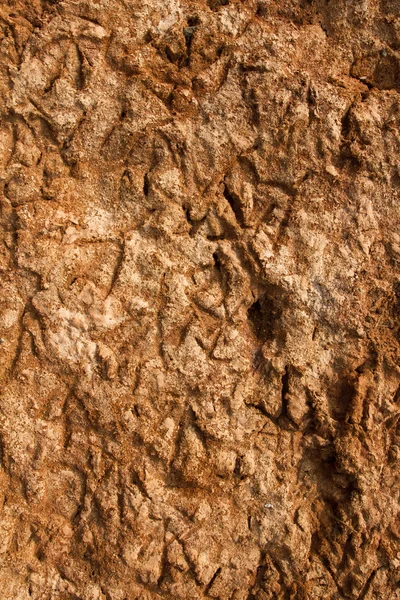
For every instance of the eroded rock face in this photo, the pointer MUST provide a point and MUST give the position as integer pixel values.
(200, 299)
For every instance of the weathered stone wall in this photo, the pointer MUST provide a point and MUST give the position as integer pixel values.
(200, 299)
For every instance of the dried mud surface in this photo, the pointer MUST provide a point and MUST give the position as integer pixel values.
(200, 299)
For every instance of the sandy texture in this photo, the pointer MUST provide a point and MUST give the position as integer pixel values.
(200, 299)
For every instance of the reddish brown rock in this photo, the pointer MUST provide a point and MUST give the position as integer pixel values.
(200, 299)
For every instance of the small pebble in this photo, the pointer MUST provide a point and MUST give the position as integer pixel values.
(189, 31)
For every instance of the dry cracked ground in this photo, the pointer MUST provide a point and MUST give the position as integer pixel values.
(200, 299)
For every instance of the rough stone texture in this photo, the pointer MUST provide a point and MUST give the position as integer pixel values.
(200, 299)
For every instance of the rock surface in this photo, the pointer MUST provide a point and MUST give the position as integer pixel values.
(200, 299)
